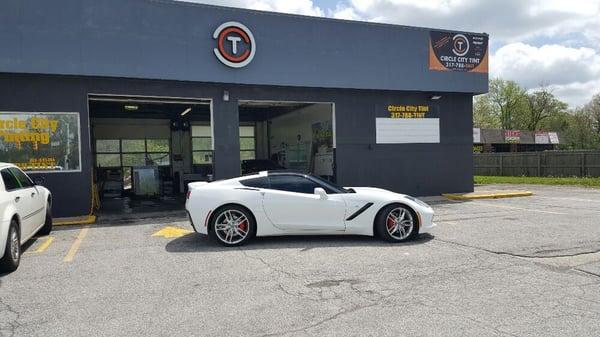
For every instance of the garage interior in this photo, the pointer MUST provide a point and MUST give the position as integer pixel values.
(145, 150)
(287, 135)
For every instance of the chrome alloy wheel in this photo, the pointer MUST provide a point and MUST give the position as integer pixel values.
(232, 226)
(15, 245)
(400, 223)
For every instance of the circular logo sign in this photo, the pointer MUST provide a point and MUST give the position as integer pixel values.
(235, 44)
(460, 45)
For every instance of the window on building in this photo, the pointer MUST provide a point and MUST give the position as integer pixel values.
(247, 142)
(132, 152)
(202, 152)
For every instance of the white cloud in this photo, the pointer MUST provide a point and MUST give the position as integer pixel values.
(572, 72)
(303, 7)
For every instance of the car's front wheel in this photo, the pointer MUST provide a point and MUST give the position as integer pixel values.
(397, 223)
(232, 225)
(12, 252)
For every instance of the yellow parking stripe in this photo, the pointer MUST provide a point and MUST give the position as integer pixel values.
(75, 247)
(44, 245)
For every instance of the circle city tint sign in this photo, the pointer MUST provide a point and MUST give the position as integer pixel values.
(235, 44)
(458, 52)
(461, 45)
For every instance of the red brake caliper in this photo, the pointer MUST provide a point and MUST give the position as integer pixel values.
(243, 225)
(390, 223)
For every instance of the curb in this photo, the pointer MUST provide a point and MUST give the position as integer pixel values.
(87, 220)
(487, 195)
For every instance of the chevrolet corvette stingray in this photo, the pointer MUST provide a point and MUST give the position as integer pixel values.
(233, 211)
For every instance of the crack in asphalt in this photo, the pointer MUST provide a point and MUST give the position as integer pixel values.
(268, 265)
(587, 272)
(373, 298)
(527, 256)
(6, 310)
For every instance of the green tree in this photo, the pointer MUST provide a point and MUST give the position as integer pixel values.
(580, 133)
(541, 106)
(483, 113)
(508, 101)
(593, 108)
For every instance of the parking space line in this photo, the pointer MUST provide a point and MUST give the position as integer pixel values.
(45, 245)
(75, 247)
(519, 208)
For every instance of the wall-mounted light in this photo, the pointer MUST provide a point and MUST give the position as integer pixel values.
(186, 111)
(131, 107)
(435, 97)
(225, 95)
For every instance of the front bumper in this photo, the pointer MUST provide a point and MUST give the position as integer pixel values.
(426, 223)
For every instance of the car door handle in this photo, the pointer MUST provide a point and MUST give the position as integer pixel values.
(17, 199)
(33, 194)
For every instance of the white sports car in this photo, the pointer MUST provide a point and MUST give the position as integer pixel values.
(270, 203)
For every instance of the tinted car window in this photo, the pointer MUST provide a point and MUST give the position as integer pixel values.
(261, 182)
(292, 183)
(10, 182)
(21, 177)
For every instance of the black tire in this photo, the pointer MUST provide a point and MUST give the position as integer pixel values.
(8, 263)
(235, 211)
(47, 228)
(381, 224)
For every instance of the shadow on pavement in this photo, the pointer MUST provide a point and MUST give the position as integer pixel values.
(197, 243)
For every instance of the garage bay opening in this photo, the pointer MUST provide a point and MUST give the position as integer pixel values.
(147, 149)
(296, 136)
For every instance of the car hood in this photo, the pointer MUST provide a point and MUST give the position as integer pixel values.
(377, 192)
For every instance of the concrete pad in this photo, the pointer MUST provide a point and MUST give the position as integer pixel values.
(487, 195)
(78, 220)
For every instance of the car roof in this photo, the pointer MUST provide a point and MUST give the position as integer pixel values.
(3, 165)
(272, 173)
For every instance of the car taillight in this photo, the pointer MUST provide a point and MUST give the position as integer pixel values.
(188, 194)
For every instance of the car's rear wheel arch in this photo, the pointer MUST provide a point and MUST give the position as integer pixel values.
(217, 211)
(17, 220)
(412, 210)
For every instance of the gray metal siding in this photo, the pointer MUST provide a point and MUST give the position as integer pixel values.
(155, 39)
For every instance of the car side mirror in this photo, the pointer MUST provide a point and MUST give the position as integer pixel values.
(39, 180)
(321, 193)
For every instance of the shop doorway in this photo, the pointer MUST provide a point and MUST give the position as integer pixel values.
(297, 136)
(146, 150)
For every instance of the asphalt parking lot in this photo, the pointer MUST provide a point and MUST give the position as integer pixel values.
(505, 267)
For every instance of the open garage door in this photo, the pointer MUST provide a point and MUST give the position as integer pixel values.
(147, 149)
(297, 136)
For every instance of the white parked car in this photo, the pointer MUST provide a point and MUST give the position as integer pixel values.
(233, 211)
(25, 209)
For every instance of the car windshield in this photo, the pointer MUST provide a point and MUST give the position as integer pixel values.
(330, 185)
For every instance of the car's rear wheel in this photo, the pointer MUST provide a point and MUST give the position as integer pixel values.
(397, 223)
(12, 252)
(47, 228)
(232, 225)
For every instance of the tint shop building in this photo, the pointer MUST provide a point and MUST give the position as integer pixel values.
(142, 96)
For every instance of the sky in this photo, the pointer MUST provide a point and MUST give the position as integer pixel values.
(555, 43)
